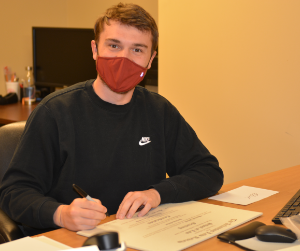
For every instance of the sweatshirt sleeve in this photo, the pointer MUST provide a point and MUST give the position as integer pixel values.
(33, 169)
(193, 172)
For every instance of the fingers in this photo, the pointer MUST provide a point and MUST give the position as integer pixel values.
(95, 205)
(126, 205)
(106, 213)
(132, 205)
(134, 200)
(87, 212)
(82, 214)
(145, 210)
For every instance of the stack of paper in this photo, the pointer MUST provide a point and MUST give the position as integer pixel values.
(175, 227)
(34, 244)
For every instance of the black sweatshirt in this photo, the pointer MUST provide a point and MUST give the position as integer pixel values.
(74, 137)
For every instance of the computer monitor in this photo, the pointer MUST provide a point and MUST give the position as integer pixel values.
(62, 56)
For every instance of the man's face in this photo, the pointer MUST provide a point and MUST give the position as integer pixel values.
(118, 40)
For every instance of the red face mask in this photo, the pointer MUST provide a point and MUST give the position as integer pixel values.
(120, 73)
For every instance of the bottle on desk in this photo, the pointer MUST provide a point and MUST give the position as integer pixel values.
(28, 88)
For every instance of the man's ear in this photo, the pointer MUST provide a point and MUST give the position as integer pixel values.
(151, 59)
(94, 49)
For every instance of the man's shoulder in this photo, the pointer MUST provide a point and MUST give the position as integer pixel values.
(66, 93)
(155, 102)
(151, 97)
(157, 106)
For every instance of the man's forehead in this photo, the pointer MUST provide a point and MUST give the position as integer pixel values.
(113, 25)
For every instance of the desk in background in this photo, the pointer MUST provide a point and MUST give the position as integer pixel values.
(285, 181)
(15, 112)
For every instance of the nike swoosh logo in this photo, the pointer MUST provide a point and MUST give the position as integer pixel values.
(143, 143)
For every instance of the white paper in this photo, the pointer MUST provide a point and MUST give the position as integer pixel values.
(175, 226)
(244, 195)
(54, 243)
(295, 248)
(28, 244)
(255, 244)
(87, 248)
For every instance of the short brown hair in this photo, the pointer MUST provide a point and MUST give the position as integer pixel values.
(128, 14)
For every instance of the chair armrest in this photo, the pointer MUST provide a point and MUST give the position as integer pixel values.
(9, 229)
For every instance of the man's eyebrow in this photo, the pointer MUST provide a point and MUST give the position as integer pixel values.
(141, 45)
(113, 40)
(119, 42)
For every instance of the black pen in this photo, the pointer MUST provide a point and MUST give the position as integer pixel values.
(83, 194)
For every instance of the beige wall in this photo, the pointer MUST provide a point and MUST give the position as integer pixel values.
(84, 15)
(232, 68)
(17, 17)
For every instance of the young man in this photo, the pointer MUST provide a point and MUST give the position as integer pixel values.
(111, 138)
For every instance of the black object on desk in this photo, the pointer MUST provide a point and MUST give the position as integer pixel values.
(241, 233)
(247, 237)
(9, 98)
(275, 234)
(291, 208)
(106, 241)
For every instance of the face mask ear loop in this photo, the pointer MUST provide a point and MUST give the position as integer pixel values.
(149, 61)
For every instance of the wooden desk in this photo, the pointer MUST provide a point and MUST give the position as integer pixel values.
(15, 112)
(285, 181)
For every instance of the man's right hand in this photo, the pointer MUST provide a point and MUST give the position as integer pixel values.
(81, 214)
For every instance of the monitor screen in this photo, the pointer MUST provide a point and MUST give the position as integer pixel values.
(62, 56)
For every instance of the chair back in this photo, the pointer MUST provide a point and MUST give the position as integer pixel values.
(9, 138)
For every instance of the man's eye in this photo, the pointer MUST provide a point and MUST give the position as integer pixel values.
(137, 50)
(114, 46)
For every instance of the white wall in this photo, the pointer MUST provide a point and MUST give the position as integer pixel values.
(232, 68)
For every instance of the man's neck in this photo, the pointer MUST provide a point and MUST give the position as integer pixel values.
(106, 94)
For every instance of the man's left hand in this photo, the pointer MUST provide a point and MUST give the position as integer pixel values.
(134, 200)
